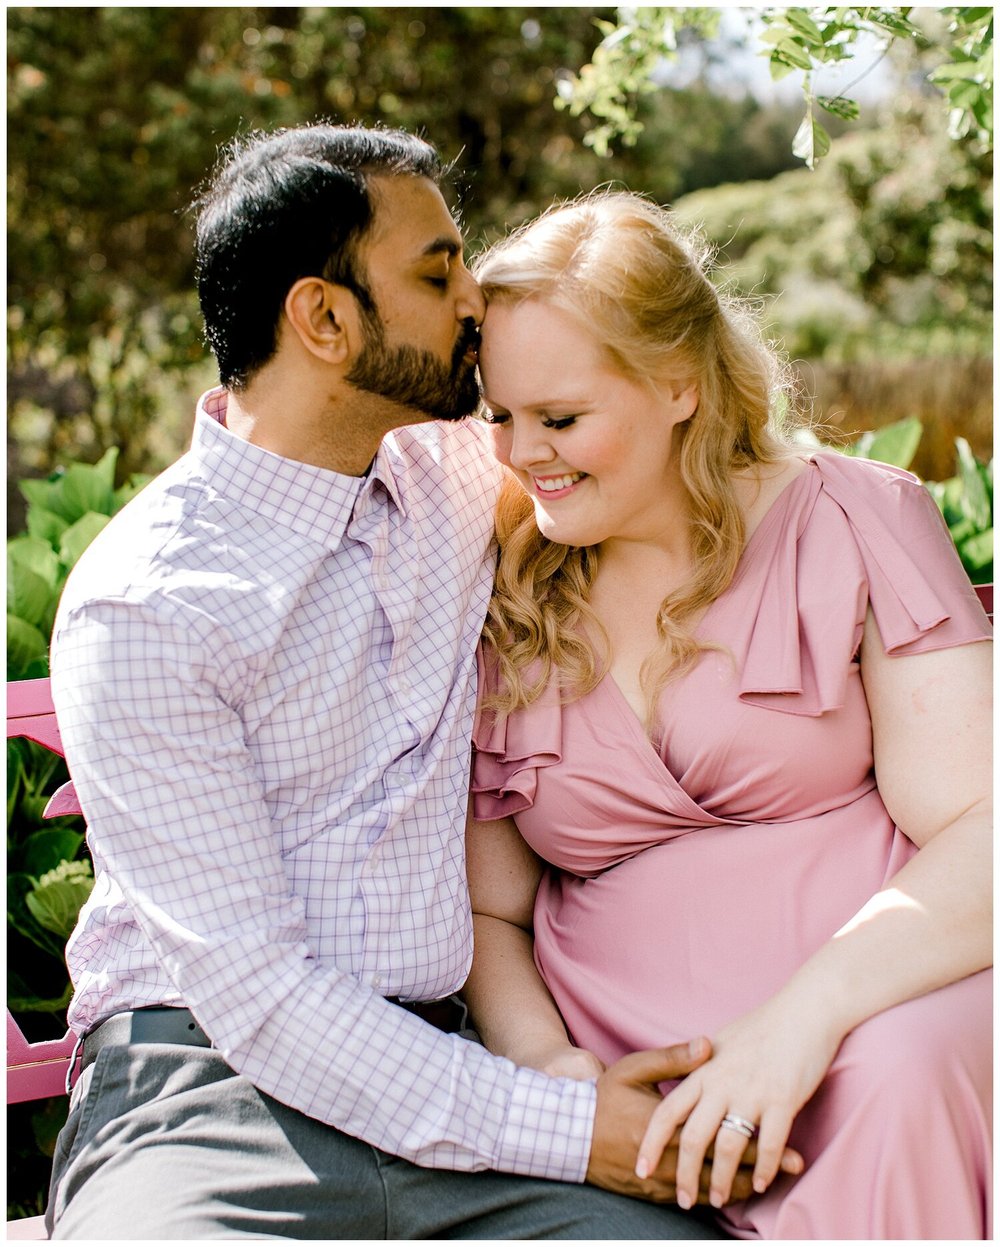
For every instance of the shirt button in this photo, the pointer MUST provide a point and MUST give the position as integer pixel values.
(377, 980)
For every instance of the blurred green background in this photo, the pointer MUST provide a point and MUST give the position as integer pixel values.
(873, 272)
(875, 269)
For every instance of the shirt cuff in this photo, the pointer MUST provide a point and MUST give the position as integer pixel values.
(549, 1127)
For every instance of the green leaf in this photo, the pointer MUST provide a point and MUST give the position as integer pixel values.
(56, 899)
(811, 141)
(47, 1121)
(791, 51)
(45, 525)
(30, 597)
(25, 644)
(15, 776)
(976, 501)
(780, 69)
(839, 106)
(804, 24)
(136, 483)
(977, 552)
(965, 94)
(967, 70)
(36, 555)
(82, 487)
(895, 443)
(19, 916)
(78, 536)
(44, 850)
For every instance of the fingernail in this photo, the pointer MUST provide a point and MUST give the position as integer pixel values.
(715, 1199)
(642, 1168)
(759, 1185)
(684, 1199)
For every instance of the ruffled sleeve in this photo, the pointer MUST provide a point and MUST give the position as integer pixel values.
(919, 591)
(854, 533)
(509, 751)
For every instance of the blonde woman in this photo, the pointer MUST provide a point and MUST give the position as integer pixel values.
(732, 764)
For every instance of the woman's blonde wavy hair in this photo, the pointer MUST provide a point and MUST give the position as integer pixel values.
(625, 271)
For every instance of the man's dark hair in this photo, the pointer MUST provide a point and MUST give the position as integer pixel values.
(284, 205)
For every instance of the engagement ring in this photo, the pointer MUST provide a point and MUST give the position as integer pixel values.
(732, 1121)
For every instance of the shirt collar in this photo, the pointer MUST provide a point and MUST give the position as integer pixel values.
(313, 502)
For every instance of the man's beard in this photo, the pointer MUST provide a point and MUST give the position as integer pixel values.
(417, 378)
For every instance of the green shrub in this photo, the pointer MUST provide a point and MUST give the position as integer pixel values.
(48, 875)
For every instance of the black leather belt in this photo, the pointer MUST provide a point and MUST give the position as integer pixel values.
(177, 1026)
(447, 1015)
(156, 1025)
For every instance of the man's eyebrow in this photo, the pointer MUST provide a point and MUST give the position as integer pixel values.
(444, 244)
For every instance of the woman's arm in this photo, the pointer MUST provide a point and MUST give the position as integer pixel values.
(509, 1004)
(929, 926)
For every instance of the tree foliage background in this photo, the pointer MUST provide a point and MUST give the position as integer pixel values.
(116, 114)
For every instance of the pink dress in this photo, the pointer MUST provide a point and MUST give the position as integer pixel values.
(692, 879)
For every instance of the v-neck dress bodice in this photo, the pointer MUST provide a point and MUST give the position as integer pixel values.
(689, 881)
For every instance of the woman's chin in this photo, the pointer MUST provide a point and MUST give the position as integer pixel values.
(562, 530)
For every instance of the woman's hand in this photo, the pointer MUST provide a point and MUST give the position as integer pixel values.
(765, 1066)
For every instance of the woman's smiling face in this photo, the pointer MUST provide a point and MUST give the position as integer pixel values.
(593, 448)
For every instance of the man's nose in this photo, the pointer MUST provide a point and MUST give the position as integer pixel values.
(471, 302)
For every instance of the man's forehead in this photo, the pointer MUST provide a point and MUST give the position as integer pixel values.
(410, 212)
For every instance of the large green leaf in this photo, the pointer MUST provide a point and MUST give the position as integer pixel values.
(976, 500)
(895, 443)
(977, 556)
(45, 850)
(37, 555)
(128, 491)
(56, 899)
(25, 646)
(45, 525)
(20, 917)
(82, 487)
(21, 1000)
(78, 536)
(29, 597)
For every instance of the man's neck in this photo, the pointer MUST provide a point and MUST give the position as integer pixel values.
(339, 432)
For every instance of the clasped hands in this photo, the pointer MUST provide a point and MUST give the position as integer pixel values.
(638, 1147)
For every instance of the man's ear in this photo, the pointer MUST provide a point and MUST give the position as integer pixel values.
(324, 317)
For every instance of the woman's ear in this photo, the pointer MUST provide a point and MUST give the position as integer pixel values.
(684, 398)
(323, 317)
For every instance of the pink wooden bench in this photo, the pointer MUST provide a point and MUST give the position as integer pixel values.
(38, 1070)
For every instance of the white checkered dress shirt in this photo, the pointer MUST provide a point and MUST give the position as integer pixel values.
(264, 675)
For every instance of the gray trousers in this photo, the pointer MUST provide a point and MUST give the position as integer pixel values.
(167, 1142)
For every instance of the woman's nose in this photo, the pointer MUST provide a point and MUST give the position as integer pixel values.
(529, 445)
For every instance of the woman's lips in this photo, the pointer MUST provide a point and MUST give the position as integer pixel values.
(557, 486)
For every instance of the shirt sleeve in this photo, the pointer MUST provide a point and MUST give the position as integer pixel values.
(146, 698)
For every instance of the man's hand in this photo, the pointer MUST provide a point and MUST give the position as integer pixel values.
(626, 1097)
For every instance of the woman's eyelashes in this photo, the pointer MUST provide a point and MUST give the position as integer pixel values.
(548, 422)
